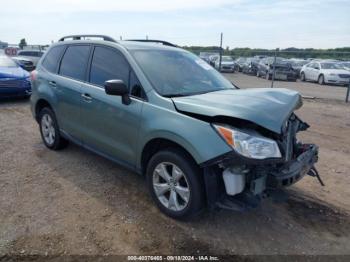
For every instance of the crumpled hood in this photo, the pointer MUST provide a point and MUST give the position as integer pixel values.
(266, 107)
(12, 72)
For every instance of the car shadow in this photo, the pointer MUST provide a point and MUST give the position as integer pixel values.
(13, 100)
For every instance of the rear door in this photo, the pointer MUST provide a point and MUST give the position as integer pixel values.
(111, 127)
(72, 72)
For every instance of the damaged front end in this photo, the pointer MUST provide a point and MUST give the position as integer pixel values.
(239, 181)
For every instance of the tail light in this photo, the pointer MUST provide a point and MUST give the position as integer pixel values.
(33, 75)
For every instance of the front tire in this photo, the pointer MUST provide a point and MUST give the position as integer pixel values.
(302, 76)
(174, 183)
(321, 80)
(49, 130)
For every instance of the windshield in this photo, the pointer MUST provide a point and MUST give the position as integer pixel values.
(345, 64)
(227, 59)
(7, 62)
(330, 66)
(179, 73)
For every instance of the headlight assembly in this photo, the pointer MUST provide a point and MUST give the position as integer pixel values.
(249, 144)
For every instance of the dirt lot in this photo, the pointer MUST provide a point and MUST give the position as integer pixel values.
(74, 202)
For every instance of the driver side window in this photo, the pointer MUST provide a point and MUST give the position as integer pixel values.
(108, 64)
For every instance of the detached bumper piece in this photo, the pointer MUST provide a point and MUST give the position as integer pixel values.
(296, 169)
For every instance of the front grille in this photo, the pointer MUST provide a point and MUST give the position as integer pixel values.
(344, 75)
(14, 83)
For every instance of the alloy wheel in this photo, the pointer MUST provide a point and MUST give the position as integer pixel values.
(171, 186)
(48, 129)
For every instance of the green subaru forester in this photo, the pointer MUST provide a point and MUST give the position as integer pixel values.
(168, 115)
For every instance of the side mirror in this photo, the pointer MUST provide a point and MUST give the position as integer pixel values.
(118, 88)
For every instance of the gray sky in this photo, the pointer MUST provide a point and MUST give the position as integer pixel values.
(249, 23)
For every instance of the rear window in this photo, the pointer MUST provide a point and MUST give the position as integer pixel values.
(52, 58)
(74, 62)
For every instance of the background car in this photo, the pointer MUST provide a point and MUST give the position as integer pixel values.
(297, 64)
(25, 63)
(206, 56)
(14, 81)
(239, 62)
(282, 67)
(325, 73)
(32, 55)
(212, 59)
(250, 66)
(227, 64)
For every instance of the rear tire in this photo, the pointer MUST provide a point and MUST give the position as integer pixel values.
(49, 130)
(174, 183)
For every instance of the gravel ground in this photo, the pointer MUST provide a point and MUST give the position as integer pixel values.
(75, 202)
(329, 92)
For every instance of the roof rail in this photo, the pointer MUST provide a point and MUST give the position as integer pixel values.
(153, 41)
(79, 37)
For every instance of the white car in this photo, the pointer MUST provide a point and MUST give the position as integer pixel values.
(227, 64)
(325, 73)
(32, 55)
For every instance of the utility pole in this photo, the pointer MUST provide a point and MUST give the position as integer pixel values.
(220, 57)
(273, 73)
(347, 93)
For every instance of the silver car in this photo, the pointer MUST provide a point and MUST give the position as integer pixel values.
(227, 64)
(32, 55)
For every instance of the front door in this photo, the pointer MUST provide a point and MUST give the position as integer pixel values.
(110, 127)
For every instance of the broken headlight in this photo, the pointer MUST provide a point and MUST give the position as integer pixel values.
(249, 143)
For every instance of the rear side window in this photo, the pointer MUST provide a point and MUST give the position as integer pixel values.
(108, 64)
(52, 58)
(74, 62)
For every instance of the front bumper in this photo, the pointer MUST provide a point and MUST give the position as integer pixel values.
(295, 169)
(287, 76)
(227, 68)
(261, 179)
(336, 80)
(15, 88)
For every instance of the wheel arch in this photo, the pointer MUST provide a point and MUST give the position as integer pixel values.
(40, 104)
(156, 144)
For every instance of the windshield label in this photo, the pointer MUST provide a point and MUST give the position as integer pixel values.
(203, 64)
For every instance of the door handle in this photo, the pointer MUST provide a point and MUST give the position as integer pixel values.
(52, 83)
(86, 97)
